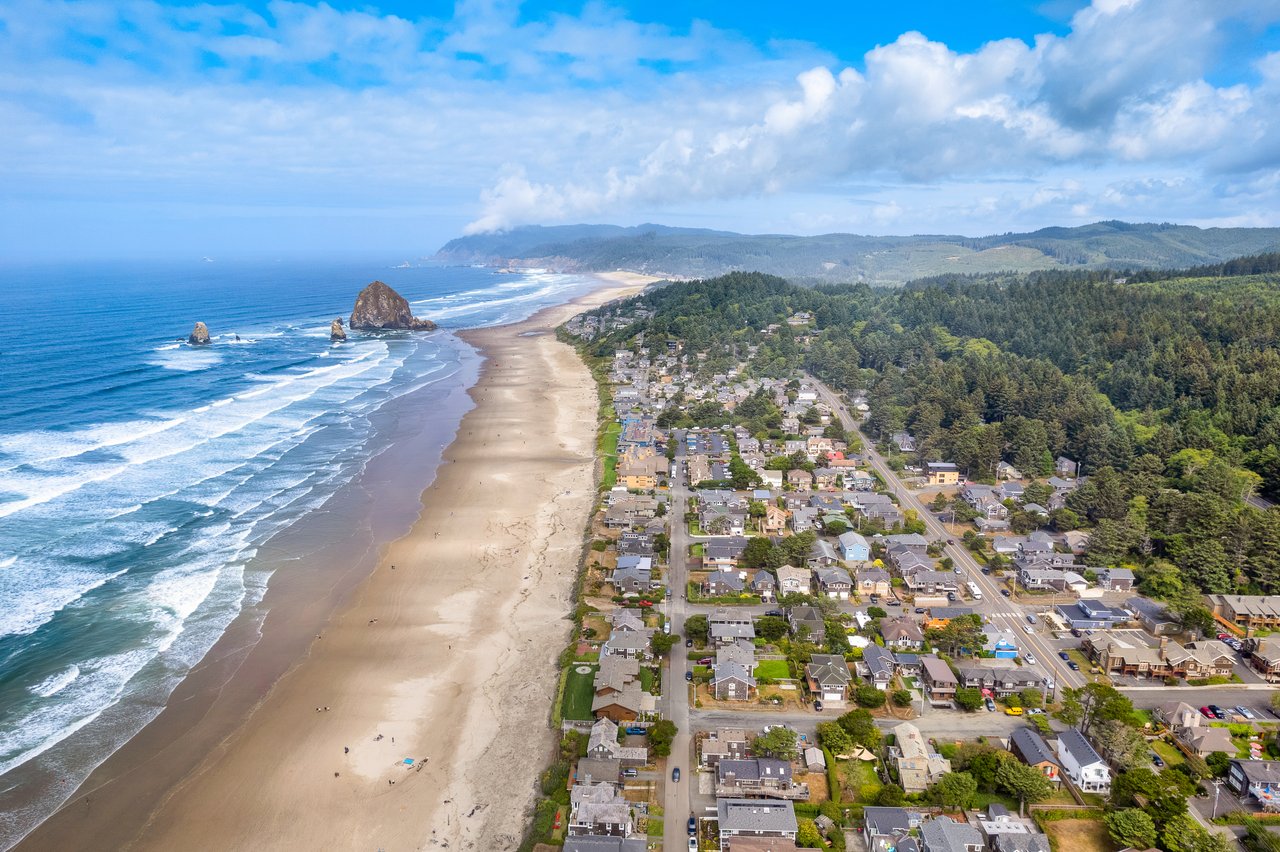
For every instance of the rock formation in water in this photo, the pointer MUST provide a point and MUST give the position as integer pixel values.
(335, 330)
(378, 306)
(199, 335)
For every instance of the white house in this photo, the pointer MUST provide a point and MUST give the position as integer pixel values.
(1082, 764)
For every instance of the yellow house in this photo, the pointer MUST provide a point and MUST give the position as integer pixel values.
(942, 473)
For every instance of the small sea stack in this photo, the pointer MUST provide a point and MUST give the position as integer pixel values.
(199, 335)
(336, 332)
(380, 307)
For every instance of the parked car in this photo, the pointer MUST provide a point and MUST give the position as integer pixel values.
(776, 613)
(1073, 665)
(688, 643)
(631, 772)
(1157, 760)
(1246, 712)
(693, 824)
(693, 844)
(1013, 711)
(895, 602)
(1004, 592)
(951, 596)
(1034, 711)
(688, 675)
(1207, 713)
(675, 774)
(1064, 655)
(1030, 658)
(636, 729)
(958, 570)
(666, 627)
(919, 610)
(1075, 631)
(705, 661)
(991, 706)
(1031, 619)
(817, 704)
(1218, 712)
(644, 603)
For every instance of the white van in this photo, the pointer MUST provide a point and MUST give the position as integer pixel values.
(974, 591)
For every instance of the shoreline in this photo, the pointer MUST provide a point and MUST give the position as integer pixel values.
(267, 765)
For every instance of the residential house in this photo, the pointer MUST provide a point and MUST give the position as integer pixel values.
(1090, 615)
(772, 478)
(774, 521)
(1116, 579)
(1258, 780)
(1066, 467)
(723, 744)
(908, 665)
(799, 479)
(886, 822)
(877, 666)
(919, 766)
(599, 809)
(593, 770)
(903, 441)
(804, 518)
(834, 582)
(807, 621)
(1032, 750)
(726, 582)
(1168, 659)
(793, 580)
(859, 480)
(626, 643)
(727, 627)
(1086, 769)
(939, 681)
(911, 541)
(828, 677)
(1002, 643)
(754, 818)
(1005, 832)
(985, 501)
(824, 478)
(732, 681)
(1006, 471)
(1043, 578)
(764, 585)
(821, 554)
(941, 473)
(927, 581)
(603, 744)
(1248, 611)
(943, 834)
(723, 553)
(902, 632)
(756, 776)
(854, 547)
(1176, 715)
(1000, 681)
(1205, 741)
(634, 575)
(1264, 656)
(722, 520)
(873, 581)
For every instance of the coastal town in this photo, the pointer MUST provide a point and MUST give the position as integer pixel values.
(790, 633)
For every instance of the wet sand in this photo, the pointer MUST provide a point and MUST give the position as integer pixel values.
(447, 658)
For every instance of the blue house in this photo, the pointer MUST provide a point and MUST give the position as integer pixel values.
(1090, 615)
(1002, 643)
(854, 548)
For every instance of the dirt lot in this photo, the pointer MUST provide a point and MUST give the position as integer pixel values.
(1079, 835)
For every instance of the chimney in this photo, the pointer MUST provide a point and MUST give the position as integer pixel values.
(1164, 643)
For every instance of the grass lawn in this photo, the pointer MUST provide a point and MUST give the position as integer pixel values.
(1170, 753)
(578, 692)
(1079, 835)
(697, 549)
(1059, 797)
(647, 678)
(983, 800)
(609, 452)
(655, 826)
(695, 529)
(774, 669)
(859, 779)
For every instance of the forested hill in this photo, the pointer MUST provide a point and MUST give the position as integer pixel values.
(1168, 393)
(686, 252)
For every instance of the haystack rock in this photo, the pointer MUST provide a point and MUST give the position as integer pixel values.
(335, 330)
(378, 306)
(199, 335)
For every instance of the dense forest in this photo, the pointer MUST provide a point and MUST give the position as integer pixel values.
(1166, 391)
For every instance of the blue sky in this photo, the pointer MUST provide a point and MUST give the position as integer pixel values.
(214, 128)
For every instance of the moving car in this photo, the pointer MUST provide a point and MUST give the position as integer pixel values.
(1031, 619)
(675, 774)
(919, 610)
(1030, 658)
(1030, 630)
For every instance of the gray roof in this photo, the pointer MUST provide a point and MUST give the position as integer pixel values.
(1078, 747)
(754, 769)
(886, 821)
(944, 835)
(878, 660)
(828, 669)
(756, 815)
(1032, 747)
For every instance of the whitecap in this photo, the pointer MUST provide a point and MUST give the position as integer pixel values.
(56, 682)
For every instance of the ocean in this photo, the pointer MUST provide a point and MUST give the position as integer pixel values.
(149, 489)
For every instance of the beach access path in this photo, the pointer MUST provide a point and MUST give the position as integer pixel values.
(446, 659)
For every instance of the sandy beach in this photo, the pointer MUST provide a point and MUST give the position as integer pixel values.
(443, 656)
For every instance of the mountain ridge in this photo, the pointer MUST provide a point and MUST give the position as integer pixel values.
(675, 252)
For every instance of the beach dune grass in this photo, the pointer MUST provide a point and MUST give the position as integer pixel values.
(578, 692)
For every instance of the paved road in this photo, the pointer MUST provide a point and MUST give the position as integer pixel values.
(675, 693)
(997, 610)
